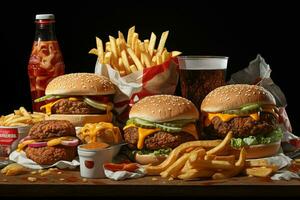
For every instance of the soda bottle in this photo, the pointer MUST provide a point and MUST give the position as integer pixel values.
(46, 61)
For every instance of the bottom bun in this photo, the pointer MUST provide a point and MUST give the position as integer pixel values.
(149, 159)
(260, 150)
(80, 120)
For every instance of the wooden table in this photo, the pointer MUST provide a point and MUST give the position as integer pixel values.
(69, 183)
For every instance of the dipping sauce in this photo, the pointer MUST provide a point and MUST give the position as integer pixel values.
(95, 145)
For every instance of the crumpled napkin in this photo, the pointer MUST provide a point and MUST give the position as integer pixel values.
(122, 175)
(285, 175)
(20, 158)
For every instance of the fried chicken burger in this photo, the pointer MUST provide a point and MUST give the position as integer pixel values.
(50, 141)
(249, 111)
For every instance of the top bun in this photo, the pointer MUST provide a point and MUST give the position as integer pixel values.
(80, 84)
(163, 108)
(234, 96)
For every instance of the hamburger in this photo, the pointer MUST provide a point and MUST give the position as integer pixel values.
(80, 98)
(250, 112)
(157, 124)
(50, 141)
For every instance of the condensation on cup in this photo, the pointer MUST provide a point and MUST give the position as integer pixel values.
(201, 74)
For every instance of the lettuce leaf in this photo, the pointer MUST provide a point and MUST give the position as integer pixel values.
(272, 137)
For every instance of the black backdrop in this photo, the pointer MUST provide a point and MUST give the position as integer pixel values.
(239, 31)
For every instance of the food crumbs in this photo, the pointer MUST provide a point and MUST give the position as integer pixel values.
(32, 179)
(154, 179)
(171, 179)
(4, 180)
(59, 172)
(61, 179)
(52, 169)
(84, 180)
(45, 173)
(33, 172)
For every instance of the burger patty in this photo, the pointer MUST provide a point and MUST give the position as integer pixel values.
(241, 126)
(50, 155)
(66, 106)
(52, 128)
(158, 140)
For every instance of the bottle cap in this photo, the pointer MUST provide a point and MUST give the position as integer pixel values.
(44, 16)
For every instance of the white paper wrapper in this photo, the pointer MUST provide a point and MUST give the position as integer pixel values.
(20, 158)
(285, 175)
(122, 175)
(160, 79)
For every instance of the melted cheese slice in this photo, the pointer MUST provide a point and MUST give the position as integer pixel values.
(144, 132)
(94, 130)
(22, 145)
(227, 117)
(49, 106)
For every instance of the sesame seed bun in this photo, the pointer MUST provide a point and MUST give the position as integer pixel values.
(163, 108)
(234, 96)
(80, 84)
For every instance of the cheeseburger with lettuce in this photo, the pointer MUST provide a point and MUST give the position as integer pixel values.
(80, 98)
(157, 124)
(250, 112)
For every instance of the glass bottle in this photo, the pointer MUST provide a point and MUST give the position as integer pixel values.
(46, 61)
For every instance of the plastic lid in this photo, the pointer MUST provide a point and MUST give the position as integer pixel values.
(44, 16)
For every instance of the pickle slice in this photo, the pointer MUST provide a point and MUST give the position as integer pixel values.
(178, 123)
(247, 109)
(250, 107)
(47, 97)
(143, 123)
(168, 128)
(95, 104)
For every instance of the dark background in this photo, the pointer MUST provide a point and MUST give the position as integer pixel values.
(239, 31)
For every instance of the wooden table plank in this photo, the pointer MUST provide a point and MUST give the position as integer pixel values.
(69, 183)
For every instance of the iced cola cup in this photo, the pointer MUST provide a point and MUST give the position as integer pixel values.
(201, 74)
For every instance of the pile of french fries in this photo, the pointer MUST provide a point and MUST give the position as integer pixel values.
(131, 55)
(208, 159)
(21, 117)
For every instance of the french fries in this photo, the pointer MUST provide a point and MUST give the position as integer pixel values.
(21, 117)
(178, 152)
(199, 159)
(259, 168)
(133, 54)
(14, 169)
(259, 171)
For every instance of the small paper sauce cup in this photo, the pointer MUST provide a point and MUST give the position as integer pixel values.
(92, 160)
